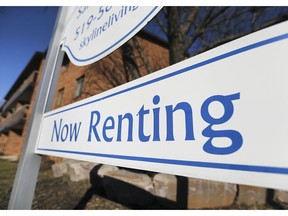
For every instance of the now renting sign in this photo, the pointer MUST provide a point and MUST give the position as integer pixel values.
(221, 115)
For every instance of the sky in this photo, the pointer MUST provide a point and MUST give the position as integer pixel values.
(23, 31)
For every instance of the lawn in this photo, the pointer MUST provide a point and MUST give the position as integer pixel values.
(7, 175)
(50, 192)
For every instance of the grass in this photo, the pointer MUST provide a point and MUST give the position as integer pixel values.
(7, 175)
(50, 192)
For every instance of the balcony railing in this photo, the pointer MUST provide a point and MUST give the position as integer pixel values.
(15, 121)
(22, 95)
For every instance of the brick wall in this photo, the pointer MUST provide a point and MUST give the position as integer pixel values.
(14, 144)
(97, 78)
(29, 111)
(11, 142)
(3, 141)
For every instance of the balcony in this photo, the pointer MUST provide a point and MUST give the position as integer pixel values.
(15, 122)
(22, 95)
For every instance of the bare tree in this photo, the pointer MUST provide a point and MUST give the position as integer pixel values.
(142, 55)
(123, 65)
(191, 30)
(130, 64)
(116, 69)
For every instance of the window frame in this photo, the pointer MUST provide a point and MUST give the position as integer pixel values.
(60, 97)
(79, 86)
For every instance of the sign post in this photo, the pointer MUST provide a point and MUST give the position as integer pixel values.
(28, 168)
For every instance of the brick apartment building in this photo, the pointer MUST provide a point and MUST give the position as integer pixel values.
(14, 111)
(141, 55)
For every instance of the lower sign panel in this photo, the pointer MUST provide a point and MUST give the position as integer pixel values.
(222, 115)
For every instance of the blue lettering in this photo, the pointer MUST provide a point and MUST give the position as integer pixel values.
(104, 26)
(141, 114)
(93, 126)
(129, 117)
(117, 16)
(108, 126)
(62, 132)
(56, 130)
(188, 121)
(101, 26)
(74, 131)
(156, 136)
(234, 136)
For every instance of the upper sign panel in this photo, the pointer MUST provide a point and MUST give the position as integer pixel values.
(93, 32)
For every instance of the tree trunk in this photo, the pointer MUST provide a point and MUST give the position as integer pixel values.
(175, 36)
(142, 55)
(129, 60)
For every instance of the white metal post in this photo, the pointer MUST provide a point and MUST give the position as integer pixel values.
(28, 168)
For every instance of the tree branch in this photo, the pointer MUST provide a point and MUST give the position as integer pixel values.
(142, 55)
(161, 24)
(200, 29)
(190, 20)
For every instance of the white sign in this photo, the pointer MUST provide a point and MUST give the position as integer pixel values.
(91, 33)
(222, 115)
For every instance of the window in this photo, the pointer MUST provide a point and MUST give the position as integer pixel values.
(66, 61)
(60, 97)
(79, 86)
